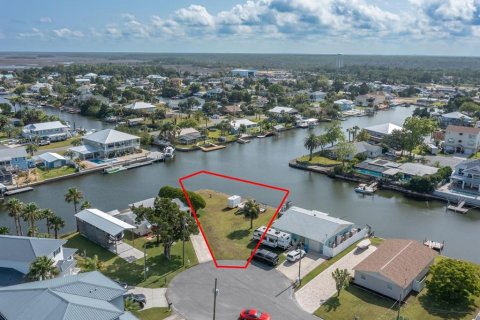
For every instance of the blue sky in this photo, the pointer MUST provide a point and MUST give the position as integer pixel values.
(438, 27)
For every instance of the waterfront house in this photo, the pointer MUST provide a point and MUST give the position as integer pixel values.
(317, 96)
(454, 118)
(101, 228)
(150, 203)
(89, 295)
(53, 131)
(370, 100)
(467, 176)
(459, 139)
(13, 158)
(362, 149)
(344, 104)
(396, 268)
(280, 111)
(379, 168)
(51, 160)
(6, 177)
(379, 131)
(17, 253)
(318, 231)
(239, 122)
(189, 136)
(141, 227)
(140, 107)
(106, 144)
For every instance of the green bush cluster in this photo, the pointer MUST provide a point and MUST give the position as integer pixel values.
(195, 199)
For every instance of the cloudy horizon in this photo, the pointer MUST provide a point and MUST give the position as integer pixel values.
(409, 27)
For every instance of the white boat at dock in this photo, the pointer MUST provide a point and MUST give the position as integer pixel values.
(363, 188)
(114, 169)
(169, 152)
(438, 246)
(242, 141)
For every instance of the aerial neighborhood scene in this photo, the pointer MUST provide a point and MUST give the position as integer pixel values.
(240, 159)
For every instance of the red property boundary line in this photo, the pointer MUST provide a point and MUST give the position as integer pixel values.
(181, 181)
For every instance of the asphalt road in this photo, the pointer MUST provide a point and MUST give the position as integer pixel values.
(261, 287)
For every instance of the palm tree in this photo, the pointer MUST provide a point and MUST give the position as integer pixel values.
(4, 230)
(31, 213)
(31, 148)
(85, 205)
(74, 195)
(47, 214)
(42, 268)
(131, 305)
(251, 210)
(311, 143)
(355, 129)
(92, 264)
(15, 209)
(56, 223)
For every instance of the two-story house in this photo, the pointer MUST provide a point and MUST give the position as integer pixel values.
(13, 158)
(17, 253)
(454, 118)
(107, 143)
(53, 131)
(467, 176)
(459, 139)
(344, 104)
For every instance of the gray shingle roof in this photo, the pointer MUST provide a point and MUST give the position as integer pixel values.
(27, 249)
(103, 221)
(456, 115)
(310, 224)
(83, 296)
(109, 136)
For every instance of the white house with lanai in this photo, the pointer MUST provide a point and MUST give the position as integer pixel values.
(237, 123)
(141, 107)
(53, 131)
(107, 143)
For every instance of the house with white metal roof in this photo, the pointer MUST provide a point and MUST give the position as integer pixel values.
(278, 110)
(318, 231)
(89, 295)
(237, 123)
(377, 132)
(106, 143)
(140, 106)
(50, 160)
(17, 253)
(101, 228)
(53, 131)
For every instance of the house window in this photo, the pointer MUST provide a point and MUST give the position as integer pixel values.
(389, 286)
(363, 277)
(56, 252)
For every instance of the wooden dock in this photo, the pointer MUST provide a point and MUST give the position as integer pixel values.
(212, 148)
(139, 164)
(17, 191)
(458, 208)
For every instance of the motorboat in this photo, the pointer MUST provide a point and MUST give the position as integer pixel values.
(363, 188)
(169, 152)
(114, 169)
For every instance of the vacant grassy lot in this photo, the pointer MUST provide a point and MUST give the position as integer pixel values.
(53, 173)
(317, 160)
(227, 230)
(59, 144)
(161, 270)
(153, 314)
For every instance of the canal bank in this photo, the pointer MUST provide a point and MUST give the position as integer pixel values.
(390, 214)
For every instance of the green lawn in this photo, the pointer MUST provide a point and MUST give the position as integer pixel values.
(315, 272)
(53, 173)
(228, 231)
(153, 314)
(161, 271)
(355, 301)
(59, 144)
(214, 135)
(317, 160)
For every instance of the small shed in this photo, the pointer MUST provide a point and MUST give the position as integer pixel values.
(101, 228)
(52, 160)
(234, 201)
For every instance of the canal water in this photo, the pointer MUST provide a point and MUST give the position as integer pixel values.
(266, 160)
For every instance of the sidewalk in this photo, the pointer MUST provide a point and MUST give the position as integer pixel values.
(317, 291)
(201, 249)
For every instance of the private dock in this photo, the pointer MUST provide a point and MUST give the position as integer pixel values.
(438, 246)
(212, 148)
(139, 164)
(17, 191)
(458, 208)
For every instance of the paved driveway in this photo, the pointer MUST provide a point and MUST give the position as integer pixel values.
(322, 287)
(258, 286)
(309, 262)
(155, 297)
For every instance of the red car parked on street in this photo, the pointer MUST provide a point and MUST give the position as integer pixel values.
(254, 314)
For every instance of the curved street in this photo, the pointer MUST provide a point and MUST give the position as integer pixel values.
(258, 286)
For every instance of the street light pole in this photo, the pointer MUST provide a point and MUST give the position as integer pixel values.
(183, 241)
(145, 261)
(215, 293)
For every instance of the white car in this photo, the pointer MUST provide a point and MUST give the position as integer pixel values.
(295, 255)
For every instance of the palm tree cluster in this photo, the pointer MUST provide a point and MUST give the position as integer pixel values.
(74, 196)
(251, 210)
(31, 213)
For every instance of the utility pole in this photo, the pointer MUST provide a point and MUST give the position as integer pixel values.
(300, 246)
(183, 240)
(215, 293)
(145, 261)
(399, 305)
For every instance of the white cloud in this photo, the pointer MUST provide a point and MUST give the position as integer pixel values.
(34, 33)
(46, 20)
(66, 33)
(194, 15)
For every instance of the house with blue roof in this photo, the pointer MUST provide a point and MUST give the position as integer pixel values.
(89, 295)
(52, 131)
(17, 253)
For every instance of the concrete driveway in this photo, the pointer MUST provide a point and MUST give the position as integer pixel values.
(155, 297)
(322, 287)
(309, 262)
(258, 286)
